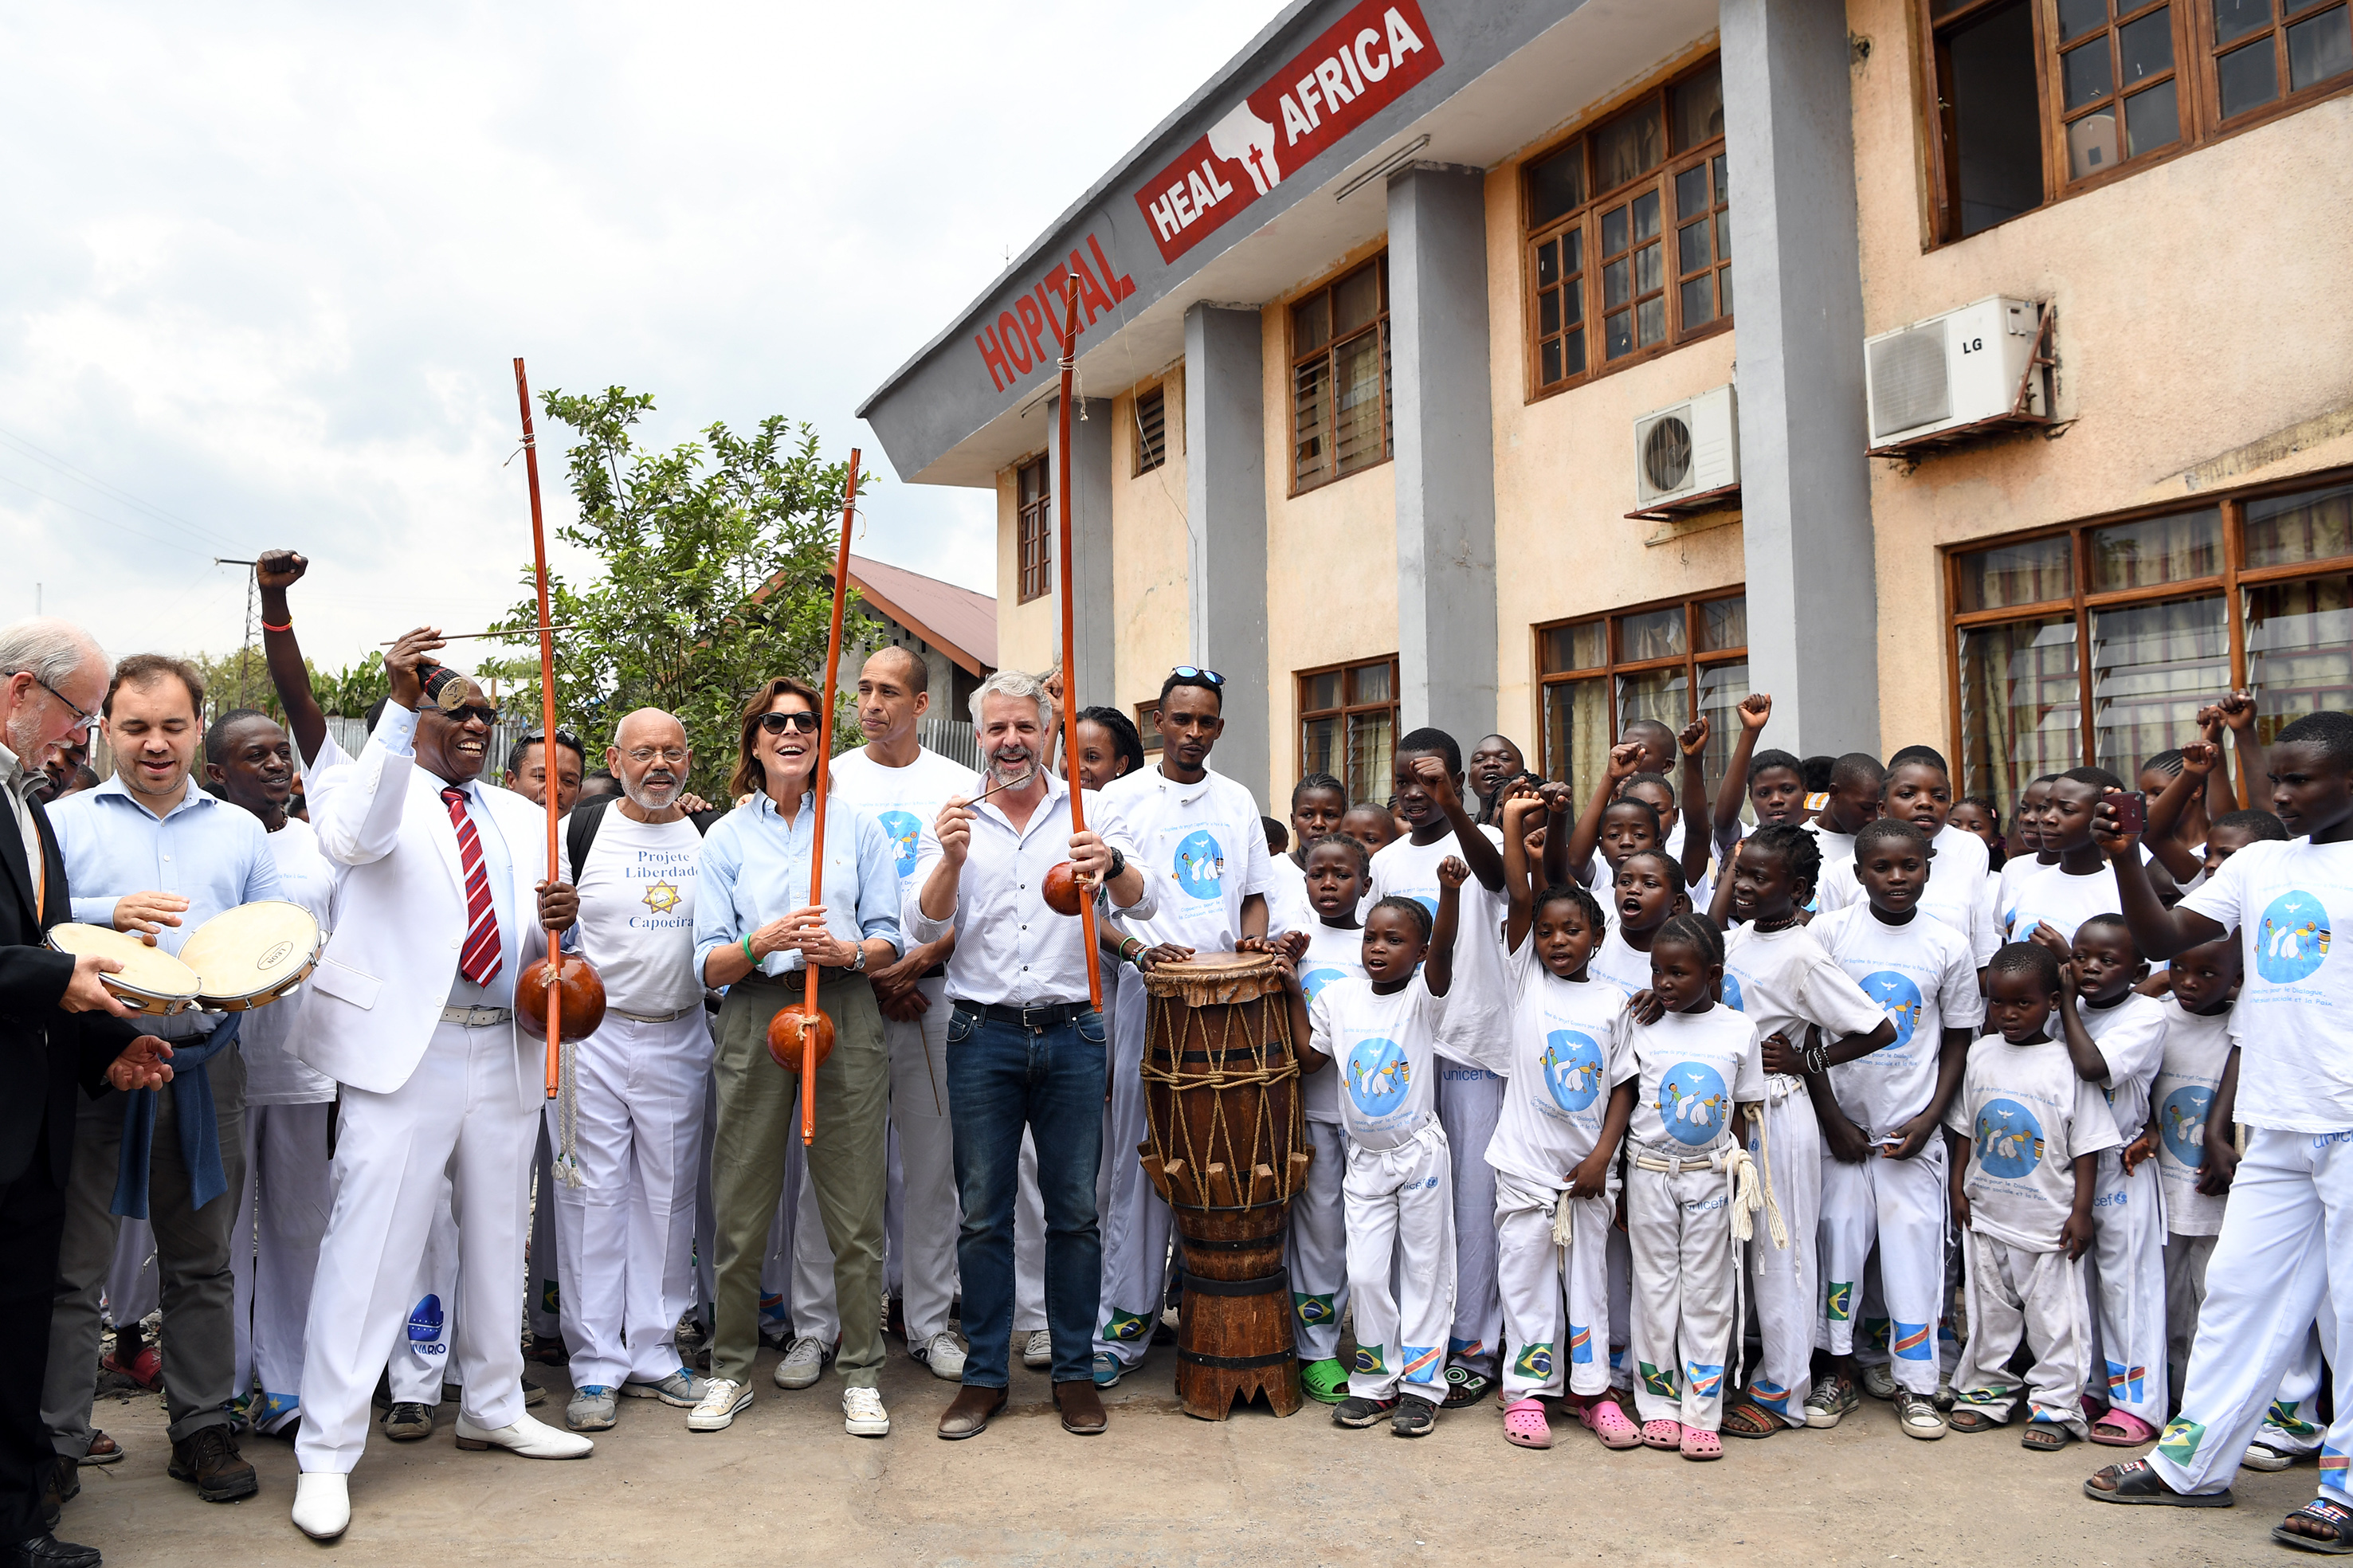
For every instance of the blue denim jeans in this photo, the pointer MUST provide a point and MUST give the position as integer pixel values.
(1002, 1078)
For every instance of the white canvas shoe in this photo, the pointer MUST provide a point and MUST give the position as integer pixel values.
(803, 1364)
(945, 1356)
(715, 1412)
(322, 1504)
(532, 1438)
(862, 1415)
(1039, 1350)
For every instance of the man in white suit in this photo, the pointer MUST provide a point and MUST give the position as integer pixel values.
(411, 1011)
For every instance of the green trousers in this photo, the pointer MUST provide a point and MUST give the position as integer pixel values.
(759, 1111)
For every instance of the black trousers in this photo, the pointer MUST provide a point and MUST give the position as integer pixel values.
(32, 1225)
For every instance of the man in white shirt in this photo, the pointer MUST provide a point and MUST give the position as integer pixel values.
(904, 784)
(1026, 1046)
(1198, 834)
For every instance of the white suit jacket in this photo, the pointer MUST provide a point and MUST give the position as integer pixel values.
(400, 919)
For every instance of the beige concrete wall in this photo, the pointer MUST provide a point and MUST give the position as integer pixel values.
(2200, 309)
(1149, 577)
(1029, 637)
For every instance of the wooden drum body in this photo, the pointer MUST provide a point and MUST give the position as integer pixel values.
(1226, 1146)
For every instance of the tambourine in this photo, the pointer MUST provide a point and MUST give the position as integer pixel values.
(240, 959)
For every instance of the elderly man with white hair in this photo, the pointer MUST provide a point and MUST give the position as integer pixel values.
(1026, 1048)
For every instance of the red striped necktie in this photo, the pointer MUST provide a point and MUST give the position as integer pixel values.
(480, 959)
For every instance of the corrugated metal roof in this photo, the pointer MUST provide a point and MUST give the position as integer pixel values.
(960, 623)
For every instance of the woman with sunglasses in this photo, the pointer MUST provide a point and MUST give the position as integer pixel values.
(754, 930)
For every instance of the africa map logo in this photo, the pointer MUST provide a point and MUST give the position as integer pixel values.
(1572, 1068)
(904, 830)
(2009, 1139)
(1693, 1102)
(1379, 1076)
(2181, 1122)
(2292, 940)
(1201, 863)
(1901, 998)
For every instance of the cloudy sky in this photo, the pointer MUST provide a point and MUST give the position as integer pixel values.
(268, 266)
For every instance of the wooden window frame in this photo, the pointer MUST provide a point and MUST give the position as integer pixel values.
(1140, 467)
(1033, 531)
(1145, 729)
(2196, 98)
(1347, 710)
(2083, 601)
(1586, 218)
(1691, 661)
(1328, 353)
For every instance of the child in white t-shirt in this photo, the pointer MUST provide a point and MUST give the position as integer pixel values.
(2082, 884)
(2198, 1021)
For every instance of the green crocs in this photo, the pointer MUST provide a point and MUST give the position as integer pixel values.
(1325, 1382)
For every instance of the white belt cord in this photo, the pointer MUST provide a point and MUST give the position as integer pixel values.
(567, 1163)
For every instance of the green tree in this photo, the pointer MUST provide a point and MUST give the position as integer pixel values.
(714, 560)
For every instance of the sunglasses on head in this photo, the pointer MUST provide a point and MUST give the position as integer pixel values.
(1194, 672)
(777, 723)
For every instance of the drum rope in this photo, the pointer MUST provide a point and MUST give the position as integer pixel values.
(1219, 1134)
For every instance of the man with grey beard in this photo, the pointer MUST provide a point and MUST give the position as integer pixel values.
(629, 1133)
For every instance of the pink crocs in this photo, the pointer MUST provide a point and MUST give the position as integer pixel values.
(1667, 1434)
(1606, 1421)
(1525, 1424)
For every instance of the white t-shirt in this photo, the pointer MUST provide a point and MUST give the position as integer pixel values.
(1287, 909)
(1784, 980)
(1385, 1049)
(2295, 1012)
(905, 800)
(1923, 974)
(1835, 846)
(1566, 1055)
(1207, 846)
(1596, 871)
(2013, 876)
(637, 910)
(2131, 1038)
(2197, 1047)
(1691, 1070)
(274, 1075)
(1956, 892)
(2028, 1118)
(1478, 1007)
(2063, 902)
(1616, 961)
(1334, 954)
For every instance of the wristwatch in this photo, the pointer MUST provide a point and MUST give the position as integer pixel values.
(1118, 864)
(858, 964)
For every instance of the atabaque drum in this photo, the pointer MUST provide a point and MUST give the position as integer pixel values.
(252, 955)
(150, 981)
(1226, 1146)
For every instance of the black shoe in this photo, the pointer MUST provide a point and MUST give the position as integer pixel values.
(210, 1460)
(45, 1550)
(534, 1396)
(1358, 1411)
(1465, 1387)
(1412, 1418)
(383, 1391)
(409, 1423)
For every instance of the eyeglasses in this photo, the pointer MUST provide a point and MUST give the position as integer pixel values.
(674, 755)
(1194, 672)
(83, 718)
(777, 723)
(487, 714)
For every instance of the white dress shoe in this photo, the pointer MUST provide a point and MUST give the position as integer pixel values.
(532, 1440)
(322, 1504)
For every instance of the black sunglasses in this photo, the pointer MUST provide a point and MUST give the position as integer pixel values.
(1194, 672)
(777, 723)
(487, 714)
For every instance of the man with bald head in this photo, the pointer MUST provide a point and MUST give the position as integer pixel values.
(625, 1233)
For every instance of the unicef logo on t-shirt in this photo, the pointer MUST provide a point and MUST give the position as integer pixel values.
(1692, 1103)
(1379, 1076)
(2009, 1139)
(1732, 993)
(1572, 1068)
(1201, 863)
(2181, 1121)
(1314, 980)
(1901, 998)
(904, 830)
(2293, 938)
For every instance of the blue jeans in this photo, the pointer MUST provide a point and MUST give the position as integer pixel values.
(1003, 1077)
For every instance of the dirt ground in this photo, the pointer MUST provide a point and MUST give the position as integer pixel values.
(786, 1484)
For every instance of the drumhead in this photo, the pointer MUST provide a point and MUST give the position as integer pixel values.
(1214, 979)
(251, 950)
(147, 972)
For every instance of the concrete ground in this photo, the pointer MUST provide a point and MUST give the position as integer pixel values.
(786, 1485)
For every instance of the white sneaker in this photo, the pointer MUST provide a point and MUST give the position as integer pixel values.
(721, 1397)
(531, 1437)
(322, 1504)
(681, 1388)
(1879, 1382)
(1039, 1350)
(862, 1415)
(804, 1363)
(945, 1356)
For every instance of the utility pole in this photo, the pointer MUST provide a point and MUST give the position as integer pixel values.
(244, 650)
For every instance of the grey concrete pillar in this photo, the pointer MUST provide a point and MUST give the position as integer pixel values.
(1092, 638)
(1805, 484)
(1225, 527)
(1445, 450)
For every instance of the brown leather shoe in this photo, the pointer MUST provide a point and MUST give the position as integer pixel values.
(1082, 1407)
(211, 1461)
(968, 1414)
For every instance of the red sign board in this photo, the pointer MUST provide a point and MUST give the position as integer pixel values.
(1357, 68)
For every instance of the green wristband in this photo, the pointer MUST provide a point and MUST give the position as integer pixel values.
(747, 952)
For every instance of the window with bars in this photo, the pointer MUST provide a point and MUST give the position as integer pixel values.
(1630, 234)
(1340, 415)
(2103, 640)
(1669, 661)
(1150, 429)
(2040, 99)
(1033, 497)
(1347, 724)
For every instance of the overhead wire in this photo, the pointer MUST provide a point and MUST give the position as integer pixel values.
(26, 447)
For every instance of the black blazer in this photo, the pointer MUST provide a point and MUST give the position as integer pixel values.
(44, 1051)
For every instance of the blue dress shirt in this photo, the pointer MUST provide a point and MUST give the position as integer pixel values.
(755, 869)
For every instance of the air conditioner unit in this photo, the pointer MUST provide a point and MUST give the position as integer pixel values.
(1688, 450)
(1975, 366)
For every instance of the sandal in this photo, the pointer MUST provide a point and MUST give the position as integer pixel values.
(1606, 1421)
(1700, 1445)
(2045, 1436)
(1525, 1424)
(1746, 1419)
(2136, 1482)
(2122, 1429)
(103, 1450)
(1969, 1418)
(1667, 1434)
(2336, 1516)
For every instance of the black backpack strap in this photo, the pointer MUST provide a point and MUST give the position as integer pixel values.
(580, 830)
(703, 820)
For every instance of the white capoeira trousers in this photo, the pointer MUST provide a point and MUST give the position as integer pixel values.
(1469, 1102)
(276, 1253)
(2285, 1254)
(2291, 1422)
(1685, 1277)
(625, 1236)
(1785, 1281)
(1555, 1300)
(2127, 1277)
(542, 1259)
(1900, 1205)
(2185, 1290)
(462, 1114)
(1400, 1213)
(1135, 1219)
(420, 1360)
(2041, 1296)
(1315, 1249)
(1621, 1310)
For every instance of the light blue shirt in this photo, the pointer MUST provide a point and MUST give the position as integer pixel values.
(755, 869)
(397, 730)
